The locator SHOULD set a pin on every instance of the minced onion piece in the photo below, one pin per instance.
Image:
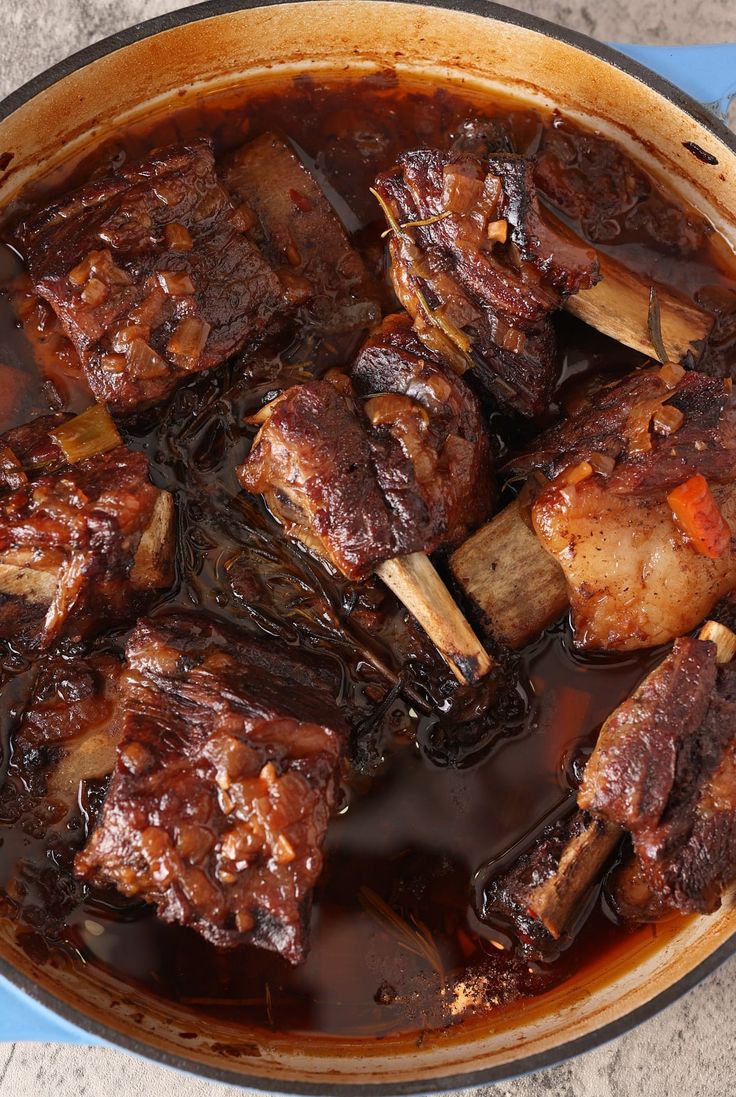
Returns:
(389, 406)
(189, 337)
(103, 265)
(672, 374)
(498, 231)
(78, 275)
(178, 237)
(113, 363)
(511, 339)
(602, 463)
(143, 361)
(639, 422)
(123, 337)
(578, 473)
(87, 434)
(667, 419)
(95, 292)
(148, 311)
(460, 191)
(297, 289)
(175, 283)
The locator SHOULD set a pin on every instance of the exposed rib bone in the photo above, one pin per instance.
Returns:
(619, 307)
(153, 564)
(514, 583)
(415, 582)
(545, 891)
(556, 901)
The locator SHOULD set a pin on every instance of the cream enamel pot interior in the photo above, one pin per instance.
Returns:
(488, 47)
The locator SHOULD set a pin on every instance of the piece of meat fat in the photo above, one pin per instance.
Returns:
(152, 275)
(223, 786)
(634, 578)
(607, 545)
(634, 581)
(299, 232)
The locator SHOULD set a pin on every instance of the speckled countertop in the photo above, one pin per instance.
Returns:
(689, 1049)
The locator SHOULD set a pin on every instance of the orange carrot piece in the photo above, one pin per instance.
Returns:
(696, 513)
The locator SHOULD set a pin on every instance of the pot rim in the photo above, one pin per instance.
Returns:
(453, 1082)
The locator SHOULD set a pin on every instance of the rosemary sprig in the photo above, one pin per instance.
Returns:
(419, 223)
(415, 938)
(459, 338)
(426, 220)
(394, 225)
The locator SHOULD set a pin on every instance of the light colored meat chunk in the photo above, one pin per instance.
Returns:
(633, 578)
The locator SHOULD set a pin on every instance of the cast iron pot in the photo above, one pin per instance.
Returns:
(225, 43)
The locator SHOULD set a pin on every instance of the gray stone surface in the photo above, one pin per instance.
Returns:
(688, 1049)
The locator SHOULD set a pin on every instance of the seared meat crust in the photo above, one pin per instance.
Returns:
(392, 460)
(152, 275)
(665, 769)
(475, 265)
(81, 546)
(224, 782)
(617, 422)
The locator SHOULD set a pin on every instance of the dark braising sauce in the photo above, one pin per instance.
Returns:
(447, 785)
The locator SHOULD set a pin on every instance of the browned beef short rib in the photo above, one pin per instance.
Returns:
(479, 270)
(665, 769)
(82, 545)
(153, 275)
(300, 234)
(222, 791)
(388, 460)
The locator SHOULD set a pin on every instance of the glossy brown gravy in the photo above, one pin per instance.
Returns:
(448, 785)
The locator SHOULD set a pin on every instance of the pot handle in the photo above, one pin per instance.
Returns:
(23, 1019)
(707, 73)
